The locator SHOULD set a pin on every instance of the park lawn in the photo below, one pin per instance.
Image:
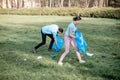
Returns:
(19, 34)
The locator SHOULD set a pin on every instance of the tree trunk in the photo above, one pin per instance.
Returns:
(0, 3)
(59, 3)
(17, 1)
(39, 3)
(86, 3)
(62, 3)
(91, 3)
(69, 3)
(11, 3)
(6, 3)
(56, 3)
(50, 3)
(33, 3)
(22, 3)
(46, 3)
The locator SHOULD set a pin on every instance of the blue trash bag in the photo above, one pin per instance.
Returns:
(80, 42)
(60, 43)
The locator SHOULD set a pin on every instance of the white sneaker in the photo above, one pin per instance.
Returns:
(60, 63)
(81, 61)
(89, 54)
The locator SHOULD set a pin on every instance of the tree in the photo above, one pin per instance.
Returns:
(50, 3)
(22, 3)
(62, 3)
(46, 3)
(58, 3)
(0, 3)
(69, 3)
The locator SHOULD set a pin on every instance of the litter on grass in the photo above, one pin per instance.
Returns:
(52, 56)
(39, 57)
(25, 59)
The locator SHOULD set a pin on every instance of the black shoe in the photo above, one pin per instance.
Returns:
(33, 51)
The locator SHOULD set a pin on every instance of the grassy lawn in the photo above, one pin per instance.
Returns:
(19, 34)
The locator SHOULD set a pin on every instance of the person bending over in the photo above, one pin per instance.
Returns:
(51, 31)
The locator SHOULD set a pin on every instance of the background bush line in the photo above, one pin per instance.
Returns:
(85, 12)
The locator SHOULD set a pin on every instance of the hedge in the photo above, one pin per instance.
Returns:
(84, 12)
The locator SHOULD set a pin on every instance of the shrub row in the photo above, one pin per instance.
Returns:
(85, 12)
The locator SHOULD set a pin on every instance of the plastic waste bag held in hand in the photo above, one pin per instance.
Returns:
(80, 42)
(60, 43)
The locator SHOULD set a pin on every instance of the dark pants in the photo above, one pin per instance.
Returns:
(44, 40)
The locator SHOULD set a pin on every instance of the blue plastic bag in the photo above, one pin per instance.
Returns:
(80, 42)
(60, 43)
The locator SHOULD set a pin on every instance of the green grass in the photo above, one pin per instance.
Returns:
(19, 34)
